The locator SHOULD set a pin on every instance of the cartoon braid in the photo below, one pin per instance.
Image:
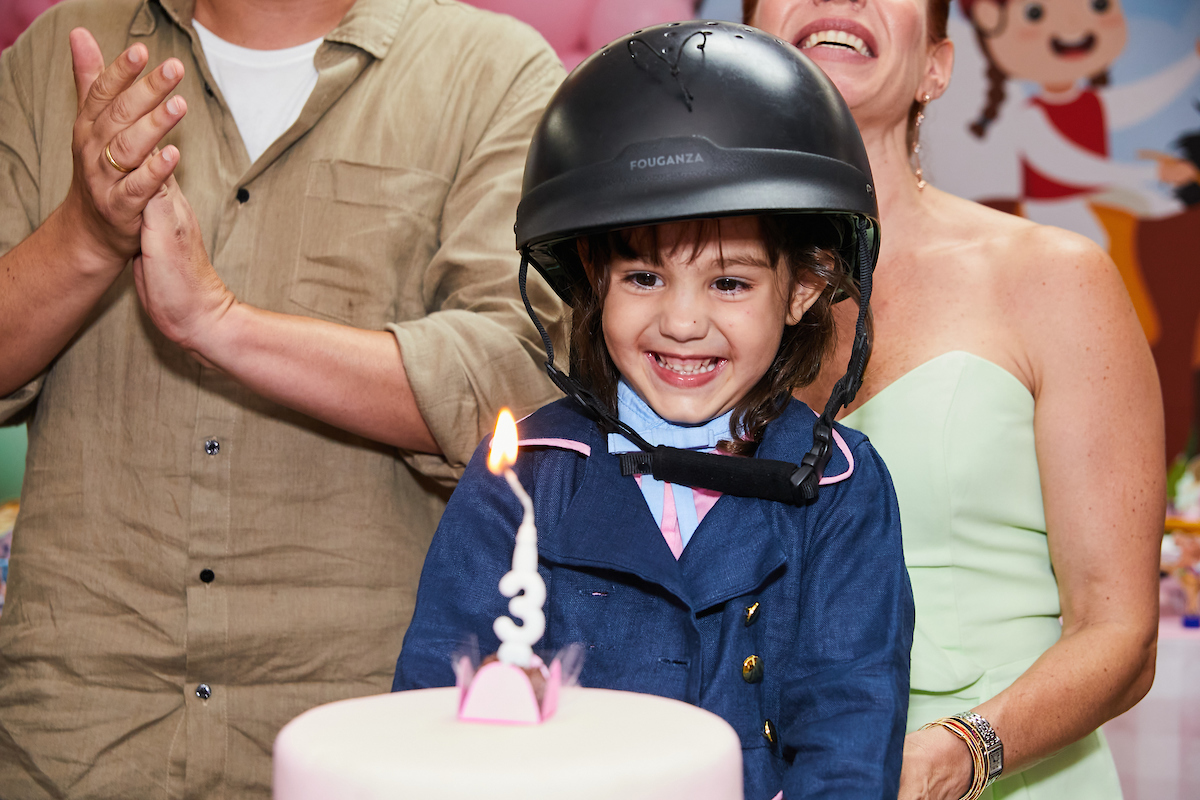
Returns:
(996, 90)
(1099, 80)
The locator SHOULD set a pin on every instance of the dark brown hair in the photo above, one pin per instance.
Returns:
(803, 244)
(935, 26)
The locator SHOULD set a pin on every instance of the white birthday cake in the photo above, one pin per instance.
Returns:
(600, 744)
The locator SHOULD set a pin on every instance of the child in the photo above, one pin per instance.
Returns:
(694, 320)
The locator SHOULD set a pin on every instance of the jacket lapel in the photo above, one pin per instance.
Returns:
(607, 525)
(733, 552)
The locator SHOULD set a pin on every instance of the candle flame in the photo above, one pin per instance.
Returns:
(503, 452)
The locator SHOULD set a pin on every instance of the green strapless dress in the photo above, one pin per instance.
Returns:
(956, 434)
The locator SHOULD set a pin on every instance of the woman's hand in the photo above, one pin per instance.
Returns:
(937, 766)
(178, 287)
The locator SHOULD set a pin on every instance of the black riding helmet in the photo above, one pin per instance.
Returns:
(693, 120)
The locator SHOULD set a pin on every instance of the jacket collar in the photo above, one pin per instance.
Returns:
(609, 526)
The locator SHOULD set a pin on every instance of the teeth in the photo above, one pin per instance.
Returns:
(691, 368)
(841, 38)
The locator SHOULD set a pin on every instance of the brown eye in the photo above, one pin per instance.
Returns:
(643, 278)
(1100, 6)
(728, 284)
(1035, 11)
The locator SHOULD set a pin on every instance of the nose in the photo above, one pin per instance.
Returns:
(683, 316)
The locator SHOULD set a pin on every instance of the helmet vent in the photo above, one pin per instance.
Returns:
(665, 57)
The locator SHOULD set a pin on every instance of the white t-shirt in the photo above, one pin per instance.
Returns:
(265, 89)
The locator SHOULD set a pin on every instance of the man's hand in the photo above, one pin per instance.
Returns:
(175, 281)
(121, 121)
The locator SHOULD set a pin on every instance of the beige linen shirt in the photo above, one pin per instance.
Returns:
(194, 565)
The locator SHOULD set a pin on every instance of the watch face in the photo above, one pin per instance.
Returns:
(995, 760)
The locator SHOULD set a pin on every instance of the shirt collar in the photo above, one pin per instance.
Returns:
(370, 25)
(634, 412)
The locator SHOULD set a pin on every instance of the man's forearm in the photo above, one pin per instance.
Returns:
(347, 377)
(50, 281)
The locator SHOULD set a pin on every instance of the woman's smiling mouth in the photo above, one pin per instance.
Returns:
(840, 39)
(837, 34)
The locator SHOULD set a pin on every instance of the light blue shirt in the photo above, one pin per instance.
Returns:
(634, 412)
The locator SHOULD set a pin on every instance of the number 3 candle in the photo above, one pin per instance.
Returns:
(522, 583)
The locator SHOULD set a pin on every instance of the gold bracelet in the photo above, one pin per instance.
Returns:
(978, 763)
(989, 741)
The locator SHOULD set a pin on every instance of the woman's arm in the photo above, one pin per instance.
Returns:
(1099, 432)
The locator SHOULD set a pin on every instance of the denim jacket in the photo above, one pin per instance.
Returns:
(819, 593)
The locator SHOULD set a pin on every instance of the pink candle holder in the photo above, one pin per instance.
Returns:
(499, 692)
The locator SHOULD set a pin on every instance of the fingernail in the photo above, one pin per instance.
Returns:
(169, 71)
(135, 55)
(169, 154)
(173, 106)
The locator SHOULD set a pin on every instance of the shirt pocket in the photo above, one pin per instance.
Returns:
(367, 234)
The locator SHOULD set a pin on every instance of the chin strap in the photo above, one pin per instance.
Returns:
(761, 478)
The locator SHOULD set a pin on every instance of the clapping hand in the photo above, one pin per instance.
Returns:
(178, 287)
(117, 166)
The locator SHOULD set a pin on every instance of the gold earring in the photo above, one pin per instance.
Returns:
(916, 150)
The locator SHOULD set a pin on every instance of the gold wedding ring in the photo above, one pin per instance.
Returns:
(113, 161)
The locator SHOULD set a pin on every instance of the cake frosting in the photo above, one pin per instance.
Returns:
(601, 744)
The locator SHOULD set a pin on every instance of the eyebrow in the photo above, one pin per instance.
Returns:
(746, 261)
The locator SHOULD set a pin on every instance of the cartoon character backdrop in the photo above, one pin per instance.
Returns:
(1086, 114)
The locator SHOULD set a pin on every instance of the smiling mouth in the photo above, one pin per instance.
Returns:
(839, 39)
(687, 366)
(1079, 47)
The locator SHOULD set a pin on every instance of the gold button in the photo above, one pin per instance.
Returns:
(768, 731)
(751, 615)
(752, 669)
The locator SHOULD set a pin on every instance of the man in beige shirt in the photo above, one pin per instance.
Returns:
(225, 516)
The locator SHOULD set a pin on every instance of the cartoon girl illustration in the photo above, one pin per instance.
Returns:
(1068, 179)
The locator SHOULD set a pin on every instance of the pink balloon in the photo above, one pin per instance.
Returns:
(577, 28)
(16, 15)
(562, 22)
(615, 18)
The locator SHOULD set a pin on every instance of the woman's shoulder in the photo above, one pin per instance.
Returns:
(1037, 290)
(998, 246)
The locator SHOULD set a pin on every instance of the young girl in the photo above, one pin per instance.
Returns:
(694, 320)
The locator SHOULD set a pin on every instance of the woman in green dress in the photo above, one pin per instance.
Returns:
(1013, 396)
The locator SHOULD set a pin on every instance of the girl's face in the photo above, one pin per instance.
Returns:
(877, 52)
(1052, 42)
(693, 336)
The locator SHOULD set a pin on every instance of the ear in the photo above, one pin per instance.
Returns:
(939, 65)
(803, 296)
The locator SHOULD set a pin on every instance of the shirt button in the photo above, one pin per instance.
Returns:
(751, 615)
(207, 575)
(768, 731)
(243, 195)
(212, 447)
(752, 669)
(204, 691)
